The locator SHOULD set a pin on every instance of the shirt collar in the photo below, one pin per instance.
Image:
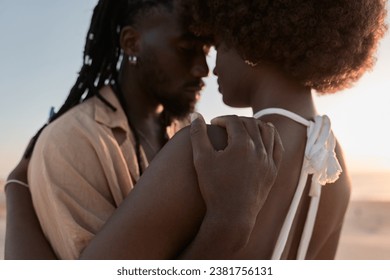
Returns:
(105, 115)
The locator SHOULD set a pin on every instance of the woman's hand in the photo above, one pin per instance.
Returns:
(235, 182)
(20, 171)
(24, 239)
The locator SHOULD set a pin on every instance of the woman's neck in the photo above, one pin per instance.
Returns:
(274, 89)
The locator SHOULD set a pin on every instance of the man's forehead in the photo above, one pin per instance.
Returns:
(188, 35)
(172, 25)
(180, 32)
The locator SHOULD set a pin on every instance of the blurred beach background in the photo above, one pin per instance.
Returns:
(41, 52)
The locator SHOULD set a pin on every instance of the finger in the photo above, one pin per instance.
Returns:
(234, 127)
(199, 137)
(253, 131)
(221, 120)
(268, 135)
(194, 116)
(278, 150)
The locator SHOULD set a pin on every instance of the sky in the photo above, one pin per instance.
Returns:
(41, 47)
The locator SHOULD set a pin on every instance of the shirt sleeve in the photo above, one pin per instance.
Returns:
(72, 178)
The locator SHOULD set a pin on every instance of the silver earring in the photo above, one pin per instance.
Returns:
(133, 60)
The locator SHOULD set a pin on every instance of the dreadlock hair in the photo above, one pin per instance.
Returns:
(102, 55)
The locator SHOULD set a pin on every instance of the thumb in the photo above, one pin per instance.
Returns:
(199, 138)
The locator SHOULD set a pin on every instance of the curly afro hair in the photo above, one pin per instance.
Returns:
(325, 45)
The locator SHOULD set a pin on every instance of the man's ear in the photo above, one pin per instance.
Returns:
(130, 40)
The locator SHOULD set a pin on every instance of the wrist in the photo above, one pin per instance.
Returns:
(15, 182)
(244, 218)
(231, 232)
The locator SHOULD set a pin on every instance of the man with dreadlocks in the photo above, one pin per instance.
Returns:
(143, 69)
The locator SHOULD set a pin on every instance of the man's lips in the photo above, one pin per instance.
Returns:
(195, 89)
(195, 94)
(195, 86)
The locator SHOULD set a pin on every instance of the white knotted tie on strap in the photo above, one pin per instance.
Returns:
(320, 161)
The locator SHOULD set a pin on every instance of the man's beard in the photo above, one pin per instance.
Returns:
(157, 86)
(176, 108)
(175, 104)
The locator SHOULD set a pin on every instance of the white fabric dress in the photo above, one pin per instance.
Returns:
(320, 160)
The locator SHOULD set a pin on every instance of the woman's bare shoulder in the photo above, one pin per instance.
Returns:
(217, 136)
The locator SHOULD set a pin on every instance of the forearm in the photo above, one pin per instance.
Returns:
(24, 237)
(219, 238)
(165, 213)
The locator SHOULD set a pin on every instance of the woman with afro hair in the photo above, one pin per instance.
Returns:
(272, 56)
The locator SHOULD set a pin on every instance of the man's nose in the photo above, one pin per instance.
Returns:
(215, 71)
(200, 68)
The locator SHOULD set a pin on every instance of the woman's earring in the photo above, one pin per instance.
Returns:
(250, 63)
(133, 60)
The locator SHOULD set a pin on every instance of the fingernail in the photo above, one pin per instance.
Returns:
(214, 120)
(194, 116)
(270, 124)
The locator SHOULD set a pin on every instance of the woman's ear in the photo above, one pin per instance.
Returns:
(129, 40)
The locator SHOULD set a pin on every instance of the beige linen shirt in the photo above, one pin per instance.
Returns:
(83, 166)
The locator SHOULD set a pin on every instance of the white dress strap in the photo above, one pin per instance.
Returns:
(283, 112)
(320, 160)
